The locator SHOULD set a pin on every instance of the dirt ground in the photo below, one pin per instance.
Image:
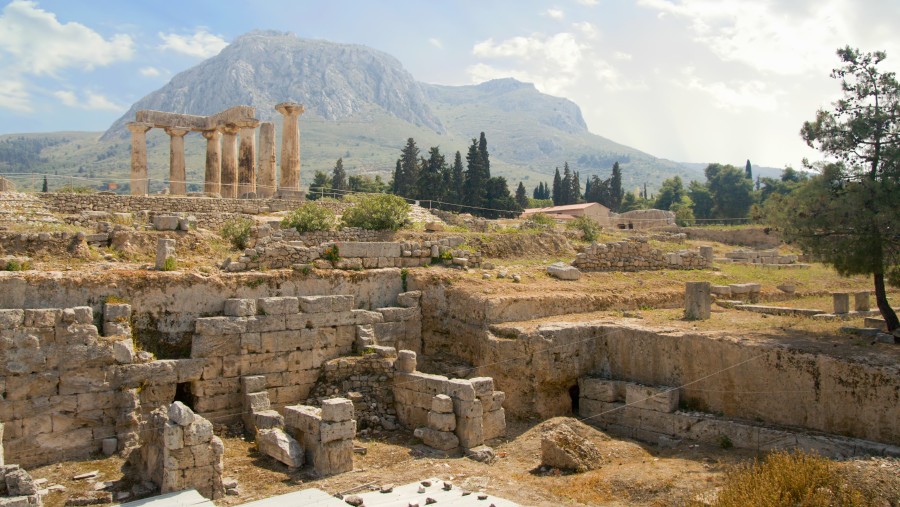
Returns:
(633, 473)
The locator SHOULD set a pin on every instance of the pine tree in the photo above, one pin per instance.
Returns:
(615, 188)
(748, 170)
(521, 196)
(338, 176)
(474, 187)
(557, 189)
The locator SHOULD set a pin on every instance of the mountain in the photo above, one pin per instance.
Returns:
(361, 105)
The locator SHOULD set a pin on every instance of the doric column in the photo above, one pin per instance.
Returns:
(212, 180)
(290, 145)
(266, 179)
(139, 180)
(247, 158)
(177, 178)
(229, 160)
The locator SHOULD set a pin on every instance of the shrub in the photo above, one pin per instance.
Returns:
(310, 217)
(237, 231)
(16, 265)
(331, 253)
(170, 264)
(787, 479)
(542, 219)
(590, 229)
(377, 212)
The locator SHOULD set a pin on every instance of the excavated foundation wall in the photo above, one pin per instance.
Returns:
(757, 381)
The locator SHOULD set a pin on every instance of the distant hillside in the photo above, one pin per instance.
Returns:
(361, 105)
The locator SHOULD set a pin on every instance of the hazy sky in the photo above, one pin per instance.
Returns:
(688, 80)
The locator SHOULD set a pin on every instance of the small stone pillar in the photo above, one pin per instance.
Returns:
(697, 300)
(229, 161)
(165, 250)
(177, 178)
(290, 145)
(861, 301)
(841, 302)
(212, 181)
(247, 159)
(707, 253)
(2, 462)
(266, 177)
(139, 182)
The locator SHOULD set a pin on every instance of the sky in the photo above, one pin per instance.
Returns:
(687, 80)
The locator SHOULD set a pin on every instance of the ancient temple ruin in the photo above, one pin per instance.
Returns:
(232, 169)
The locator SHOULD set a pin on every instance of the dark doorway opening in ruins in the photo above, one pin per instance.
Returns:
(574, 395)
(183, 394)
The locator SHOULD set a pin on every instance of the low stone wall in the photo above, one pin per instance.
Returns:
(61, 244)
(636, 255)
(760, 257)
(756, 237)
(76, 203)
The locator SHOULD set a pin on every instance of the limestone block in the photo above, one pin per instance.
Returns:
(468, 409)
(494, 402)
(220, 325)
(180, 414)
(268, 419)
(165, 249)
(342, 303)
(337, 410)
(390, 333)
(441, 440)
(211, 345)
(253, 384)
(396, 314)
(173, 436)
(841, 302)
(697, 300)
(109, 446)
(42, 317)
(165, 222)
(660, 399)
(115, 312)
(564, 449)
(494, 424)
(277, 305)
(333, 458)
(199, 432)
(861, 301)
(19, 483)
(256, 402)
(720, 290)
(303, 418)
(363, 317)
(442, 404)
(461, 389)
(406, 361)
(484, 387)
(331, 431)
(744, 288)
(369, 249)
(470, 431)
(441, 421)
(239, 307)
(409, 299)
(601, 389)
(116, 329)
(279, 445)
(10, 319)
(563, 271)
(123, 351)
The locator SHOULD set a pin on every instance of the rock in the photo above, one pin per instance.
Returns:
(562, 448)
(482, 454)
(280, 446)
(441, 440)
(387, 488)
(354, 500)
(19, 483)
(434, 227)
(180, 414)
(563, 271)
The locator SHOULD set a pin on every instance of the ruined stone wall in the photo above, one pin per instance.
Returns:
(76, 203)
(636, 255)
(756, 237)
(43, 243)
(366, 381)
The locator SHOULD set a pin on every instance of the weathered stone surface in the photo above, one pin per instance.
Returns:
(199, 432)
(470, 431)
(441, 421)
(123, 351)
(19, 483)
(239, 307)
(562, 448)
(279, 445)
(601, 389)
(660, 399)
(494, 424)
(337, 410)
(332, 431)
(277, 305)
(442, 404)
(697, 300)
(409, 299)
(268, 419)
(109, 446)
(406, 361)
(484, 386)
(334, 457)
(165, 222)
(563, 271)
(441, 440)
(841, 302)
(461, 389)
(253, 384)
(165, 249)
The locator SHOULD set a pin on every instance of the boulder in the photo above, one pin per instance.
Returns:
(562, 448)
(563, 271)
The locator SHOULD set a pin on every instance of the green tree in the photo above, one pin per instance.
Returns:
(702, 199)
(557, 194)
(366, 184)
(731, 191)
(748, 170)
(566, 188)
(44, 187)
(320, 186)
(847, 215)
(521, 196)
(338, 176)
(615, 188)
(406, 174)
(671, 192)
(457, 178)
(431, 177)
(499, 198)
(475, 184)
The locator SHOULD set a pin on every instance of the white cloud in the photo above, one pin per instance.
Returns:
(555, 13)
(13, 96)
(90, 101)
(436, 42)
(763, 35)
(586, 28)
(39, 44)
(201, 44)
(733, 96)
(619, 55)
(149, 71)
(588, 2)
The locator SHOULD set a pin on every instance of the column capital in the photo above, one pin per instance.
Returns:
(230, 129)
(247, 124)
(290, 108)
(176, 131)
(211, 134)
(138, 126)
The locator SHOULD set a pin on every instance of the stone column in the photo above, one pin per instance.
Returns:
(861, 301)
(247, 159)
(290, 145)
(212, 180)
(139, 182)
(697, 300)
(177, 178)
(266, 178)
(841, 302)
(229, 161)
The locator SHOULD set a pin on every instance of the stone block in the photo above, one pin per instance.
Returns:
(342, 303)
(279, 445)
(253, 384)
(461, 389)
(601, 389)
(409, 299)
(441, 440)
(468, 409)
(660, 399)
(165, 249)
(180, 414)
(841, 302)
(494, 424)
(220, 325)
(406, 361)
(331, 431)
(442, 404)
(470, 431)
(396, 314)
(720, 290)
(861, 301)
(337, 410)
(333, 458)
(239, 307)
(304, 418)
(116, 329)
(268, 419)
(173, 436)
(199, 432)
(744, 288)
(10, 319)
(484, 386)
(441, 421)
(277, 305)
(256, 402)
(563, 271)
(165, 222)
(123, 351)
(42, 317)
(215, 345)
(494, 402)
(364, 317)
(116, 312)
(109, 446)
(697, 300)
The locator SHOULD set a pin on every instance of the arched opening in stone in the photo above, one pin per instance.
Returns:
(183, 394)
(574, 395)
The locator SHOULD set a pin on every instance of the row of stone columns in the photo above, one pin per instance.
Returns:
(231, 167)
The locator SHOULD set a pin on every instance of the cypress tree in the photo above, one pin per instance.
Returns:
(748, 170)
(485, 159)
(521, 196)
(431, 177)
(566, 186)
(456, 190)
(409, 170)
(45, 188)
(557, 189)
(576, 188)
(338, 176)
(474, 188)
(615, 188)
